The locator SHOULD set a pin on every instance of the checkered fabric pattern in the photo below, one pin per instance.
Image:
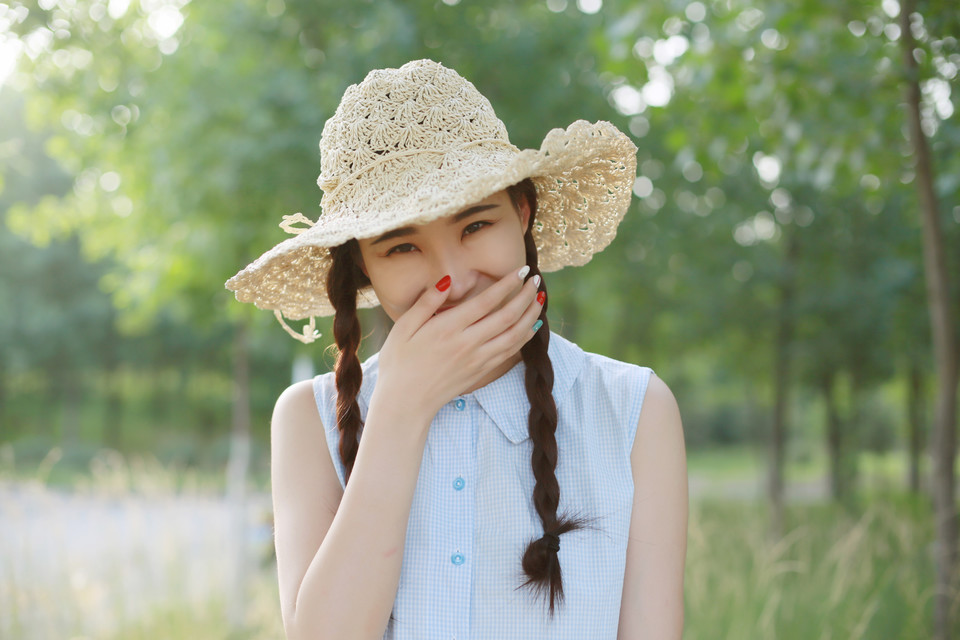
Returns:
(473, 516)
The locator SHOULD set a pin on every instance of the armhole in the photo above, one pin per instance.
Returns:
(325, 396)
(638, 392)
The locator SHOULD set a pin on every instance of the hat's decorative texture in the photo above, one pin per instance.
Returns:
(410, 145)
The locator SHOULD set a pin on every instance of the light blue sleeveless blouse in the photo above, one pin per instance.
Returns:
(473, 515)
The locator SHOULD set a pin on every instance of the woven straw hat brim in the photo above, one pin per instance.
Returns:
(584, 177)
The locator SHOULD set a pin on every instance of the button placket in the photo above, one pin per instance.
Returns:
(459, 483)
(456, 468)
(466, 470)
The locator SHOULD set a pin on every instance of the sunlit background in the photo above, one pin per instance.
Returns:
(771, 269)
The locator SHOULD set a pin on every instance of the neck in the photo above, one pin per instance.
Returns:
(508, 364)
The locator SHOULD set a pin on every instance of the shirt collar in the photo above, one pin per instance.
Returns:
(499, 398)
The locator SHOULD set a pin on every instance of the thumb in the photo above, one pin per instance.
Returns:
(425, 306)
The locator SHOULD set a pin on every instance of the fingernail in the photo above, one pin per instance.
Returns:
(444, 283)
(542, 297)
(536, 281)
(537, 325)
(524, 270)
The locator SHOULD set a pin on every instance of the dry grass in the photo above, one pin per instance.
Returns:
(835, 575)
(139, 551)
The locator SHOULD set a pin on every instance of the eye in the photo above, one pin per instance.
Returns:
(473, 227)
(406, 247)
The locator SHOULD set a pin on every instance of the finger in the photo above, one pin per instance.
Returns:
(509, 314)
(509, 341)
(489, 299)
(425, 307)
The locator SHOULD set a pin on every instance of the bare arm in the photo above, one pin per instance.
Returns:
(652, 603)
(339, 553)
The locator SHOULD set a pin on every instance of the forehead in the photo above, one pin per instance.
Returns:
(494, 201)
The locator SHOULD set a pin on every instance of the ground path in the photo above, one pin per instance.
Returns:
(76, 565)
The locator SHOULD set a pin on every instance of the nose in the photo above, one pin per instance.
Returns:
(453, 262)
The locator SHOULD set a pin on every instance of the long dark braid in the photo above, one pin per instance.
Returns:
(344, 279)
(541, 562)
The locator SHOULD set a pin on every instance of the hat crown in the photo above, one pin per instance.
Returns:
(420, 106)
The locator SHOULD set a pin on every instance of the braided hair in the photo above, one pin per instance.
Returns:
(344, 279)
(540, 561)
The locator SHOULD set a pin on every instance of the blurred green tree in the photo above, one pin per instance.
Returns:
(772, 250)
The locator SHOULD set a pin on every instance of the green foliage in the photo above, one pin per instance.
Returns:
(148, 160)
(758, 124)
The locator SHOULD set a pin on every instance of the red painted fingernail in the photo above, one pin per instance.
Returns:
(542, 297)
(444, 283)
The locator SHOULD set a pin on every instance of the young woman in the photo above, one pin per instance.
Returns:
(480, 477)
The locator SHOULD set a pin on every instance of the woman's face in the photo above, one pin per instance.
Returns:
(475, 247)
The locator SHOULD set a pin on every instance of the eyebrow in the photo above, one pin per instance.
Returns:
(406, 231)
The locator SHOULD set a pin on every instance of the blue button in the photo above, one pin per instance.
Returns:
(459, 483)
(457, 559)
(460, 404)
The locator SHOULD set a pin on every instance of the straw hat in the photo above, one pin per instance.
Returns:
(410, 145)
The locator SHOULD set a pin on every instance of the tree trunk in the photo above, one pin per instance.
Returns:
(237, 470)
(834, 436)
(7, 429)
(854, 432)
(944, 343)
(782, 358)
(70, 394)
(160, 401)
(113, 411)
(302, 368)
(915, 421)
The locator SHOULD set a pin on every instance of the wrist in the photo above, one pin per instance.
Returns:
(401, 409)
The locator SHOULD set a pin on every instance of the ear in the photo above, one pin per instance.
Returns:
(524, 211)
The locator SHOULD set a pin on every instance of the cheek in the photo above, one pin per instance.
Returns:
(505, 263)
(394, 297)
(393, 290)
(505, 252)
(396, 294)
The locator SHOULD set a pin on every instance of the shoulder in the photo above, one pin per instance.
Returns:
(659, 404)
(599, 392)
(598, 379)
(576, 362)
(297, 421)
(296, 404)
(659, 429)
(575, 367)
(298, 446)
